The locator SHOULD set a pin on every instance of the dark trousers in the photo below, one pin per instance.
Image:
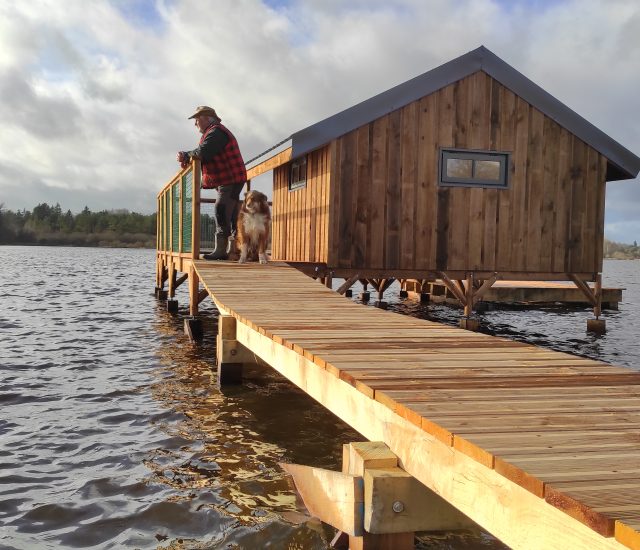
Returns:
(227, 208)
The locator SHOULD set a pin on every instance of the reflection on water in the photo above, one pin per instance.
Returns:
(113, 436)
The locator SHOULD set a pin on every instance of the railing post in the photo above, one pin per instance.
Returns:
(195, 213)
(180, 185)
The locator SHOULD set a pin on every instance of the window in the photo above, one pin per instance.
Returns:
(298, 175)
(473, 168)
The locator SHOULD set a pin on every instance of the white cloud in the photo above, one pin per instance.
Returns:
(94, 102)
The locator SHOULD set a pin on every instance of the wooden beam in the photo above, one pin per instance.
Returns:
(486, 285)
(455, 290)
(333, 497)
(586, 289)
(202, 295)
(272, 162)
(347, 284)
(181, 279)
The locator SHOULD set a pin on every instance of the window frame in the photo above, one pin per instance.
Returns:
(503, 157)
(300, 183)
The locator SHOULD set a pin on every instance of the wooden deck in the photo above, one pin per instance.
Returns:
(540, 448)
(522, 292)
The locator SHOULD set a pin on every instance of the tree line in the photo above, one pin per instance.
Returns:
(50, 225)
(620, 251)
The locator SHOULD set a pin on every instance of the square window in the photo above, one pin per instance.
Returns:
(298, 174)
(460, 167)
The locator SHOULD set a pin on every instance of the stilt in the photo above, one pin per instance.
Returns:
(172, 306)
(425, 297)
(193, 328)
(597, 325)
(364, 295)
(162, 294)
(348, 293)
(172, 280)
(194, 292)
(404, 293)
(230, 354)
(594, 297)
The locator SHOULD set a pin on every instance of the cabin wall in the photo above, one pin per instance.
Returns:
(388, 211)
(300, 217)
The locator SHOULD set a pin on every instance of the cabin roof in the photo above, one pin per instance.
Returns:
(623, 164)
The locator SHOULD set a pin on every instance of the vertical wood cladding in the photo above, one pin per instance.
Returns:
(391, 214)
(300, 217)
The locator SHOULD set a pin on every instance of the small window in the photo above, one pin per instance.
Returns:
(298, 176)
(473, 168)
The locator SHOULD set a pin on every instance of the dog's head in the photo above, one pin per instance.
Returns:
(255, 202)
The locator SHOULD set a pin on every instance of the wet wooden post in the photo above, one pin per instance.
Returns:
(230, 354)
(229, 365)
(597, 325)
(467, 322)
(364, 295)
(404, 293)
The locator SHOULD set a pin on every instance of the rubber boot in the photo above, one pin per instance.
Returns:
(232, 250)
(220, 251)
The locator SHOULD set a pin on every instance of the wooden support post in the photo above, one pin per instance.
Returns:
(194, 288)
(193, 328)
(597, 325)
(328, 280)
(172, 306)
(230, 354)
(364, 295)
(172, 280)
(356, 459)
(597, 308)
(594, 297)
(468, 306)
(162, 294)
(467, 322)
(404, 293)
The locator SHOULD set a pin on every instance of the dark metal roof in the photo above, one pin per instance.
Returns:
(623, 164)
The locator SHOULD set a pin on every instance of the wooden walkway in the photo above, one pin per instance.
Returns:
(540, 448)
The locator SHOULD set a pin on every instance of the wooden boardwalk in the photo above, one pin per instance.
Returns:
(540, 448)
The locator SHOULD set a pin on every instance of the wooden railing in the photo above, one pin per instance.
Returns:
(180, 222)
(178, 208)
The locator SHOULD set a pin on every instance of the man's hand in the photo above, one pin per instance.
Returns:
(183, 159)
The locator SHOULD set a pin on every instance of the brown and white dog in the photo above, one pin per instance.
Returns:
(253, 226)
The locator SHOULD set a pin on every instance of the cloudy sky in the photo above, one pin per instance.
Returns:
(94, 94)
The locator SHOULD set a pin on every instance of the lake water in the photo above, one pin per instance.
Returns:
(113, 436)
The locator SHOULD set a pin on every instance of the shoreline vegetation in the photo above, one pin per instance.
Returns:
(49, 225)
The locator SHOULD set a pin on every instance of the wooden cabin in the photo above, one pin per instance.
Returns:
(468, 169)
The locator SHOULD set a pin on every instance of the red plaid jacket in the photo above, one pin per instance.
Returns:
(225, 168)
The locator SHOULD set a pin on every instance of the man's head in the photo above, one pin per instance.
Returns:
(204, 117)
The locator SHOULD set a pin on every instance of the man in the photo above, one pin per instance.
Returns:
(223, 169)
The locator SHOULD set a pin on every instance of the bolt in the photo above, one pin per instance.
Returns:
(234, 351)
(398, 507)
